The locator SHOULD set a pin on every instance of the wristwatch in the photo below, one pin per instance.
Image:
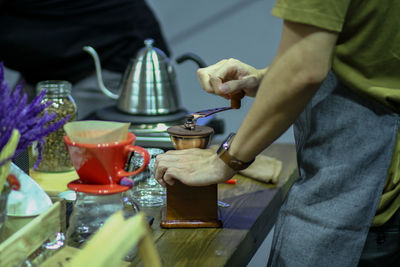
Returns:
(231, 161)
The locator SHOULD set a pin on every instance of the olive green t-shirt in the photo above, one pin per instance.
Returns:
(366, 59)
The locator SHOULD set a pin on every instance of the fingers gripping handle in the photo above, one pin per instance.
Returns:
(146, 159)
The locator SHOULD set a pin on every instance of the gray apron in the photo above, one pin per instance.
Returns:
(344, 147)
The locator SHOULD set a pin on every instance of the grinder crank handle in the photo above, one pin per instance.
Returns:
(192, 118)
(235, 99)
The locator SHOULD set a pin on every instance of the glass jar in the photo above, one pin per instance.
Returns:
(90, 211)
(55, 157)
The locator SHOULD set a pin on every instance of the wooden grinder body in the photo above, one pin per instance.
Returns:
(191, 206)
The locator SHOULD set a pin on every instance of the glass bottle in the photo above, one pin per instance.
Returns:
(90, 211)
(55, 157)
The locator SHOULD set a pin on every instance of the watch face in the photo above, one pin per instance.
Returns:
(225, 146)
(231, 161)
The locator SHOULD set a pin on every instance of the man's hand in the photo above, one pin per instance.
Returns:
(194, 167)
(229, 76)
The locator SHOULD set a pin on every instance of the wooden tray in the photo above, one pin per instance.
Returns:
(27, 241)
(22, 244)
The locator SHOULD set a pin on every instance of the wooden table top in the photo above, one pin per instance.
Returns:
(246, 223)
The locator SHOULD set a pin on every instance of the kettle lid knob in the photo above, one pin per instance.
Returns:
(149, 42)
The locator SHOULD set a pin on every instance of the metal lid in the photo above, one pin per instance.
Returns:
(198, 131)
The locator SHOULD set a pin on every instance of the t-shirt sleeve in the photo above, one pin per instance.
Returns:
(326, 14)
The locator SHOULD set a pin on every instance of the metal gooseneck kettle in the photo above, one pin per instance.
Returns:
(148, 86)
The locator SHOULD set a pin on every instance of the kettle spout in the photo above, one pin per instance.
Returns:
(96, 59)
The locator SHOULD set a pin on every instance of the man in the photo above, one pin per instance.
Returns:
(336, 75)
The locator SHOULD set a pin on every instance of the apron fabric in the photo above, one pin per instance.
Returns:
(344, 147)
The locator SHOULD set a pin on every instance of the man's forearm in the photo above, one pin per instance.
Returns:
(291, 81)
(277, 105)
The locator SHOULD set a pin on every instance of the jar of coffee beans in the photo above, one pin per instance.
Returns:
(55, 157)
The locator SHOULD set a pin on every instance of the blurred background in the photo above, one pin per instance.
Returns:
(215, 30)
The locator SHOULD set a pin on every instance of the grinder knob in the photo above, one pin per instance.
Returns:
(235, 99)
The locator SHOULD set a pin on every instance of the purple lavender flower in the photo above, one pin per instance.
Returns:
(31, 120)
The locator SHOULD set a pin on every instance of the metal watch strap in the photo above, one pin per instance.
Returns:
(231, 161)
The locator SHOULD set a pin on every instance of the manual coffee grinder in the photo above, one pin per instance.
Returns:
(193, 206)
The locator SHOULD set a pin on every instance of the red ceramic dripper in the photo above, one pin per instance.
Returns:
(101, 166)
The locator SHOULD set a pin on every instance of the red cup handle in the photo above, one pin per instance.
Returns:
(146, 158)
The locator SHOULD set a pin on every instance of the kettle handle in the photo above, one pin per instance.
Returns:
(191, 56)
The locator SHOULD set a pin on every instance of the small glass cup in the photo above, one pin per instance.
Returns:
(146, 191)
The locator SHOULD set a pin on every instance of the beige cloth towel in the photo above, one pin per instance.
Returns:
(264, 169)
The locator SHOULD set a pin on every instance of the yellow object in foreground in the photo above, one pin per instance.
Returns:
(53, 183)
(98, 251)
(7, 152)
